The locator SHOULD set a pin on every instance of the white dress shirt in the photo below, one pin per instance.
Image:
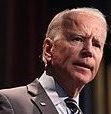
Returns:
(56, 93)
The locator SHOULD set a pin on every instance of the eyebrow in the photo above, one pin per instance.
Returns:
(97, 41)
(72, 34)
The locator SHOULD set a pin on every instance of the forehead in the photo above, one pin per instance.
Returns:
(84, 23)
(75, 19)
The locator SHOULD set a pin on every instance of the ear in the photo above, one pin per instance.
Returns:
(47, 49)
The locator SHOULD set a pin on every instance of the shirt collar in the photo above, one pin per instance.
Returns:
(53, 89)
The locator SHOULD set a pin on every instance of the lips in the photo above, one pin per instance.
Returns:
(84, 65)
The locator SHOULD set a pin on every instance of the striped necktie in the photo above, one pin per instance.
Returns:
(72, 105)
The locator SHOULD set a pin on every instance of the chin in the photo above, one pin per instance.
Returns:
(83, 78)
(87, 80)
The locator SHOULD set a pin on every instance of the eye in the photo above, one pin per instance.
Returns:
(77, 39)
(96, 44)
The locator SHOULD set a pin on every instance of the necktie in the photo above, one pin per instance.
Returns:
(72, 105)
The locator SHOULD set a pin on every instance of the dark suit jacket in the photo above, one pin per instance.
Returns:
(30, 99)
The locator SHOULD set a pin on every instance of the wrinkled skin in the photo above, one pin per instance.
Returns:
(76, 52)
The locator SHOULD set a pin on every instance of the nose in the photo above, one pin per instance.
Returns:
(87, 50)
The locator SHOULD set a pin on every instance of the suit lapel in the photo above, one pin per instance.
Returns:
(41, 99)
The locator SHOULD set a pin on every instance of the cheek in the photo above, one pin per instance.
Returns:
(61, 54)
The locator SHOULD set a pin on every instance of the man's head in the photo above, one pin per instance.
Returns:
(74, 45)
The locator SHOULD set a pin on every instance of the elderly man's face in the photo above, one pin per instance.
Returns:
(77, 51)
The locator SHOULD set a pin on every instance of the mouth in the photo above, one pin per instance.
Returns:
(84, 65)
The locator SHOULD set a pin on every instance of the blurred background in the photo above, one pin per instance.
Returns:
(23, 24)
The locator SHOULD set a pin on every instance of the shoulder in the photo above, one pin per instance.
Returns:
(14, 91)
(15, 100)
(8, 97)
(20, 92)
(13, 94)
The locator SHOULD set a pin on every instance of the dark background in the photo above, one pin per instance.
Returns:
(23, 24)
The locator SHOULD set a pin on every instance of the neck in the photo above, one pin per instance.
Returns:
(72, 87)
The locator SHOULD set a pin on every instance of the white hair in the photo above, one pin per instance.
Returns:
(58, 18)
(92, 11)
(55, 25)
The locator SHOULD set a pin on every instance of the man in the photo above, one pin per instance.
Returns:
(72, 52)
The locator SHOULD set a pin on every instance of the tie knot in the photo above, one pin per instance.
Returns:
(72, 105)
